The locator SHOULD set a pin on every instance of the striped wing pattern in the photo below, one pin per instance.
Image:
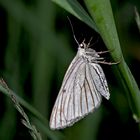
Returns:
(80, 93)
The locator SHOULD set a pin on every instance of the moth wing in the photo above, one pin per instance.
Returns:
(99, 78)
(77, 97)
(58, 116)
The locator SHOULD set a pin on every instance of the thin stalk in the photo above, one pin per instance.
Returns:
(101, 12)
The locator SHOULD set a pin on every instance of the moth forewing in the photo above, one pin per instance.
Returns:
(81, 90)
(62, 115)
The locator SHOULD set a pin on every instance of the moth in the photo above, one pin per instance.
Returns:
(82, 89)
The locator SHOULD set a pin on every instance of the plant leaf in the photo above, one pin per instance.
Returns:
(102, 14)
(77, 10)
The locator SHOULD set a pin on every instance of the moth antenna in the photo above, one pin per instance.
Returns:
(94, 42)
(89, 42)
(73, 31)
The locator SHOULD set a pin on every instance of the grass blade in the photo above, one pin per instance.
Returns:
(43, 122)
(102, 14)
(77, 10)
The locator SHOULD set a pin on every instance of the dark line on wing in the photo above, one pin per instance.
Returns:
(86, 97)
(71, 70)
(66, 96)
(89, 87)
(73, 100)
(90, 91)
(72, 83)
(56, 112)
(61, 109)
(73, 78)
(73, 91)
(104, 79)
(96, 90)
(99, 77)
(81, 101)
(68, 105)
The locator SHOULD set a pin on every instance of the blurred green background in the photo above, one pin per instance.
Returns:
(36, 47)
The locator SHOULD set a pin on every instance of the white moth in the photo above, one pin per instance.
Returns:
(81, 90)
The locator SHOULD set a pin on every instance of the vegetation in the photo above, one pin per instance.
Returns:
(36, 47)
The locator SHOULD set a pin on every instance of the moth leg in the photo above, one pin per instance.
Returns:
(65, 117)
(102, 52)
(107, 63)
(100, 58)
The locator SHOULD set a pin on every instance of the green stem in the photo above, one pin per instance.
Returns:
(102, 14)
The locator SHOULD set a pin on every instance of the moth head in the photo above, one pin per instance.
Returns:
(84, 49)
(83, 45)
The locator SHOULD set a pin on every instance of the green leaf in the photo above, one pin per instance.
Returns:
(77, 10)
(137, 17)
(102, 14)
